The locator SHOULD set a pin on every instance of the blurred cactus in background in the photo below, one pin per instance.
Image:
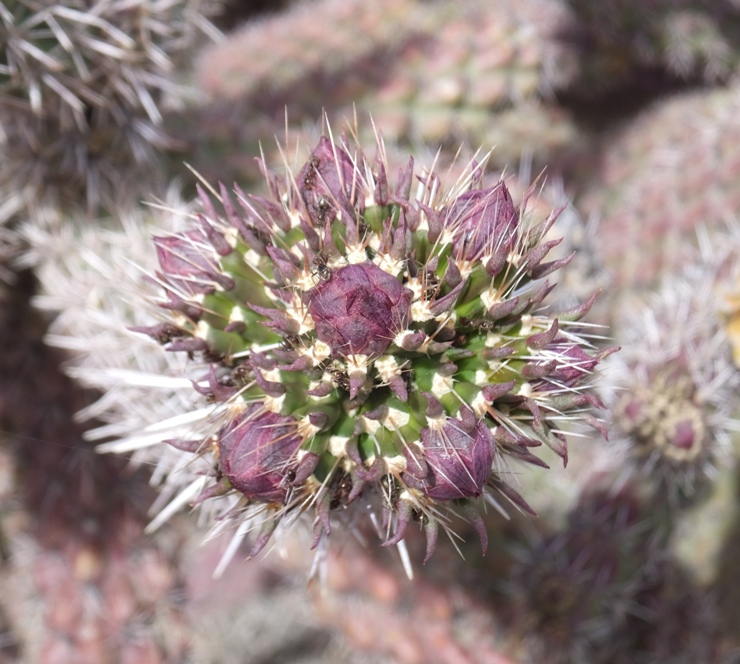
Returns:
(649, 199)
(675, 382)
(81, 583)
(366, 345)
(633, 42)
(603, 589)
(82, 88)
(430, 73)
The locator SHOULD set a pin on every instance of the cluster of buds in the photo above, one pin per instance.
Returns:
(369, 345)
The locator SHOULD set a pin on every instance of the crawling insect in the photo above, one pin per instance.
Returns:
(342, 489)
(321, 269)
(309, 179)
(408, 380)
(291, 341)
(325, 208)
(340, 378)
(241, 374)
(431, 285)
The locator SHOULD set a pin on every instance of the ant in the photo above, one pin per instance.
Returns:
(340, 378)
(342, 489)
(408, 379)
(431, 284)
(290, 341)
(310, 178)
(324, 208)
(321, 268)
(241, 374)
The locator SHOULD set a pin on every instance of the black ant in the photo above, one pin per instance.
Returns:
(321, 269)
(340, 378)
(241, 374)
(408, 380)
(310, 178)
(324, 208)
(431, 285)
(342, 489)
(482, 324)
(290, 341)
(213, 356)
(460, 340)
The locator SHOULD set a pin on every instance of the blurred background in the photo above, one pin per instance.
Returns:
(628, 110)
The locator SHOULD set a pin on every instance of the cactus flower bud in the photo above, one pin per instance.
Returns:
(457, 462)
(484, 223)
(359, 310)
(327, 183)
(256, 451)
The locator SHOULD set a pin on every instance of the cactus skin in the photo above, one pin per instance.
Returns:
(603, 589)
(81, 92)
(570, 587)
(368, 324)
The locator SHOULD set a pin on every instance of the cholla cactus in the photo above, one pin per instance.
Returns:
(82, 87)
(367, 345)
(603, 589)
(650, 203)
(572, 590)
(430, 73)
(676, 383)
(625, 42)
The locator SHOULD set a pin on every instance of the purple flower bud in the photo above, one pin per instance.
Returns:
(257, 450)
(359, 310)
(484, 222)
(457, 463)
(327, 183)
(186, 262)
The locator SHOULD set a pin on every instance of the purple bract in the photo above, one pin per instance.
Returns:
(184, 260)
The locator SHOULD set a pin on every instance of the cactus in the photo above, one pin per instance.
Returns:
(570, 590)
(649, 200)
(673, 404)
(396, 356)
(82, 88)
(603, 589)
(80, 584)
(629, 43)
(490, 60)
(232, 275)
(494, 68)
(298, 51)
